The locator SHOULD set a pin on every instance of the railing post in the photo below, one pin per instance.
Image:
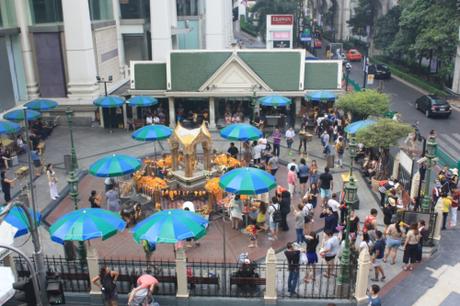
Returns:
(181, 274)
(362, 277)
(93, 269)
(270, 277)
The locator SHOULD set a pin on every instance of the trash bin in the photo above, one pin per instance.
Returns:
(330, 161)
(67, 163)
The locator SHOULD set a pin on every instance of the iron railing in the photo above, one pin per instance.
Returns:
(204, 278)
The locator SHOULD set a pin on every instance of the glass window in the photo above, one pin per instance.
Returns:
(187, 7)
(45, 11)
(7, 14)
(100, 9)
(135, 9)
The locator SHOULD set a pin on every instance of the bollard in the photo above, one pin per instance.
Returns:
(270, 277)
(362, 278)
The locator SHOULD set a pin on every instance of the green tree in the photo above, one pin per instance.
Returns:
(386, 28)
(384, 134)
(362, 104)
(364, 16)
(262, 8)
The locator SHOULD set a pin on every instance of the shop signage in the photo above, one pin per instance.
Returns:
(281, 35)
(281, 44)
(282, 19)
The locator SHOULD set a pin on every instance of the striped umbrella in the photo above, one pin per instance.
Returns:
(18, 115)
(142, 101)
(7, 127)
(240, 132)
(17, 218)
(248, 181)
(109, 101)
(274, 101)
(114, 165)
(321, 96)
(41, 104)
(152, 132)
(170, 226)
(354, 127)
(85, 224)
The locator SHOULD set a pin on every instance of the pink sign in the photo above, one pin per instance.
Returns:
(281, 35)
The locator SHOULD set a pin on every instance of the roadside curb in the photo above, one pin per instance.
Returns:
(407, 83)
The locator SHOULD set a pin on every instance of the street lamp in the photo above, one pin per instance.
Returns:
(351, 195)
(102, 80)
(430, 155)
(73, 177)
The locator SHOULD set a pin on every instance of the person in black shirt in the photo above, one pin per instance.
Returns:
(93, 200)
(312, 243)
(233, 151)
(6, 186)
(285, 209)
(330, 220)
(293, 258)
(326, 184)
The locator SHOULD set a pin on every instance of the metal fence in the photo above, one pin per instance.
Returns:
(320, 285)
(204, 278)
(74, 273)
(130, 270)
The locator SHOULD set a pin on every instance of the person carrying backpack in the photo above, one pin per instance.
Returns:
(274, 218)
(106, 281)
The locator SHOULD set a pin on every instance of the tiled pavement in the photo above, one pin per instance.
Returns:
(93, 143)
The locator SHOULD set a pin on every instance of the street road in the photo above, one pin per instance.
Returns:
(402, 100)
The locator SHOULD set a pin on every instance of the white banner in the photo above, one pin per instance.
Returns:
(405, 161)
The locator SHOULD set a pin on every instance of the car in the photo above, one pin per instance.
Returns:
(433, 105)
(354, 55)
(379, 71)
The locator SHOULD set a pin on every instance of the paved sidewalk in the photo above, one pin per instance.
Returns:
(93, 143)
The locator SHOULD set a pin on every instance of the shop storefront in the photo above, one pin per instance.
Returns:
(222, 86)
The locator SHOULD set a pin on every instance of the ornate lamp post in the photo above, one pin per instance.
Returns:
(73, 177)
(430, 155)
(351, 191)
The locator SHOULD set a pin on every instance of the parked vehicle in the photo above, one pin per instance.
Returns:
(379, 71)
(354, 55)
(432, 106)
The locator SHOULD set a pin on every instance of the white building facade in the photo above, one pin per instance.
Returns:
(56, 48)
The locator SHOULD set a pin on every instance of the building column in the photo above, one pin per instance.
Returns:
(215, 21)
(160, 27)
(27, 55)
(120, 45)
(456, 82)
(172, 112)
(125, 117)
(81, 61)
(212, 113)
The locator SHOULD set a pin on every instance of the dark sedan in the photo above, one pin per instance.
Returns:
(433, 106)
(379, 71)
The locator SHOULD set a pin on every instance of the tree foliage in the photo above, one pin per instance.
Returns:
(424, 28)
(362, 104)
(364, 16)
(386, 28)
(383, 134)
(262, 8)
